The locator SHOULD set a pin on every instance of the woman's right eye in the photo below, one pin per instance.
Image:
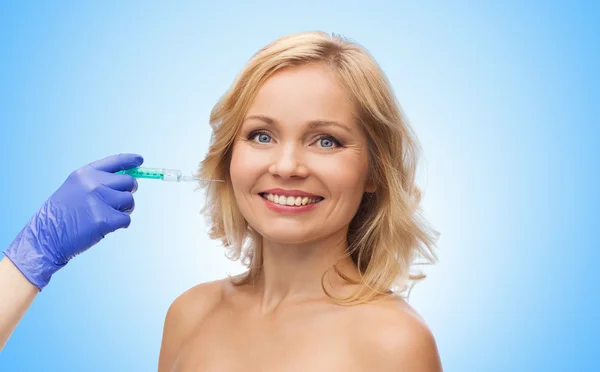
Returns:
(260, 137)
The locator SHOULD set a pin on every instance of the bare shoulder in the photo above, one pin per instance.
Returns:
(198, 300)
(186, 312)
(394, 337)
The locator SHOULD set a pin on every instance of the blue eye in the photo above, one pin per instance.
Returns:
(260, 137)
(328, 142)
(264, 138)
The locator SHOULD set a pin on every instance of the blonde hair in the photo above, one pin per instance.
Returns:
(387, 234)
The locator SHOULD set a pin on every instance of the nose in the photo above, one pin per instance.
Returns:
(287, 163)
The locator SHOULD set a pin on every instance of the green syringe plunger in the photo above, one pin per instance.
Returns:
(170, 175)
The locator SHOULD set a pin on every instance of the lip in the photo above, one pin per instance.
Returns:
(290, 193)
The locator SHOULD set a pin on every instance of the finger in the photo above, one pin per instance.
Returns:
(122, 201)
(119, 182)
(119, 220)
(115, 163)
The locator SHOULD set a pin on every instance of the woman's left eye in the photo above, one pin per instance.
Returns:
(328, 142)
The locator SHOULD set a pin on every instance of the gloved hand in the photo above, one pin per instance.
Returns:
(91, 203)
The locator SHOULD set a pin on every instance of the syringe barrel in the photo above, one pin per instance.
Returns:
(143, 172)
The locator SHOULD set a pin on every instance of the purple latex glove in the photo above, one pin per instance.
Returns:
(91, 203)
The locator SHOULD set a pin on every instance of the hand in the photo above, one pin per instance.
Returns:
(91, 203)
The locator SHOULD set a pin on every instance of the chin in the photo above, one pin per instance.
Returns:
(282, 236)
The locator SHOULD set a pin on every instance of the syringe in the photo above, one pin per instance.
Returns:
(170, 175)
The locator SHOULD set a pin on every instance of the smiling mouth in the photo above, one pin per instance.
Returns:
(291, 201)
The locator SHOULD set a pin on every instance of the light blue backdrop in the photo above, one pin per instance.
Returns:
(504, 99)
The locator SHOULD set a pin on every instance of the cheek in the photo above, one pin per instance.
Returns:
(236, 165)
(244, 167)
(345, 176)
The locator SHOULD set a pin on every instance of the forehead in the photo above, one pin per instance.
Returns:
(301, 94)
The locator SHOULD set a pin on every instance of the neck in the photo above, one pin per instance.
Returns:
(297, 272)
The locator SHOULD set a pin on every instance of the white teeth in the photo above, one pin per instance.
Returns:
(290, 200)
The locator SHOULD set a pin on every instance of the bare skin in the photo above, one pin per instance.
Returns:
(16, 296)
(220, 327)
(285, 322)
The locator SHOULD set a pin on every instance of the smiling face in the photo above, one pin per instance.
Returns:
(299, 162)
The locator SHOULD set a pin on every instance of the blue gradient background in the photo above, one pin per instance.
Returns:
(504, 99)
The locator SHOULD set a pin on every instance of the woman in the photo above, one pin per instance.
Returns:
(320, 201)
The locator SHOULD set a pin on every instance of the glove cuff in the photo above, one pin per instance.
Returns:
(31, 261)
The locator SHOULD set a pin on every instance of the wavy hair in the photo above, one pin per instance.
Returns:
(388, 235)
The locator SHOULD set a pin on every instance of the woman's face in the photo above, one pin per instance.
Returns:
(299, 163)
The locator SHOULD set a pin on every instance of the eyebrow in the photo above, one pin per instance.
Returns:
(313, 124)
